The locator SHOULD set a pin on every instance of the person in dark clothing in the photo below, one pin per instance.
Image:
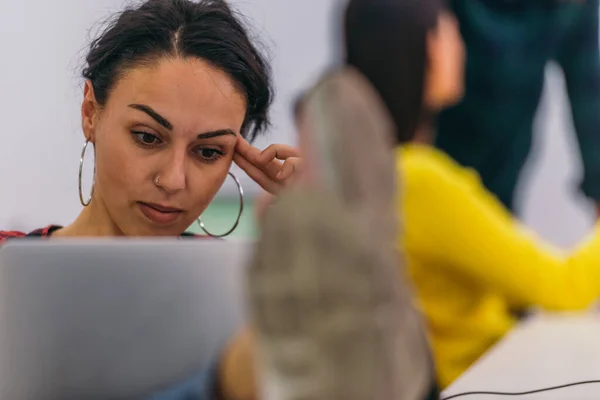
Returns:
(509, 43)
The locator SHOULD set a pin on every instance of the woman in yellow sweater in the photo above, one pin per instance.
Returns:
(470, 260)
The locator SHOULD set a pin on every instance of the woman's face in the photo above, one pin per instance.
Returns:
(446, 53)
(177, 120)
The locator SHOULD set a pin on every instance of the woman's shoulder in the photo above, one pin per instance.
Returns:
(423, 165)
(5, 235)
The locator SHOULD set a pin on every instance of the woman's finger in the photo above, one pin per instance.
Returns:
(257, 174)
(252, 154)
(268, 162)
(272, 169)
(247, 151)
(278, 152)
(292, 166)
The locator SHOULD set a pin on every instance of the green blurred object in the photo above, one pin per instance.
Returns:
(221, 214)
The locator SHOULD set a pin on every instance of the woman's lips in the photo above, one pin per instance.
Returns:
(160, 214)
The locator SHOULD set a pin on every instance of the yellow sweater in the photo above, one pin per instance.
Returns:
(471, 261)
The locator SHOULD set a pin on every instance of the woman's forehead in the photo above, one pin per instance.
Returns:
(181, 87)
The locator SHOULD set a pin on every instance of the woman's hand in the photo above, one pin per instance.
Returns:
(271, 168)
(237, 374)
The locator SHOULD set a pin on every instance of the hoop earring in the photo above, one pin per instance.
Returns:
(239, 216)
(83, 203)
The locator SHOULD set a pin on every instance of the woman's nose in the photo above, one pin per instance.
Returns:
(173, 175)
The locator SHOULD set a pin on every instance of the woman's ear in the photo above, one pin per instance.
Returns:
(432, 76)
(89, 112)
(444, 79)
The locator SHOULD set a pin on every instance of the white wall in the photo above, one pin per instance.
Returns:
(40, 139)
(549, 200)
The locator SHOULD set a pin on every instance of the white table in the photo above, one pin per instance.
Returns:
(542, 352)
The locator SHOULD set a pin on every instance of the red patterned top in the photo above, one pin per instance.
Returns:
(43, 232)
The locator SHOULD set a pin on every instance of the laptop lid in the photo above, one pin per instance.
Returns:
(114, 319)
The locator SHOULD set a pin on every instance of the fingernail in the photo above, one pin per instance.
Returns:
(279, 174)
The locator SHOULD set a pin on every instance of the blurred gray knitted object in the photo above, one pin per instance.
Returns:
(330, 303)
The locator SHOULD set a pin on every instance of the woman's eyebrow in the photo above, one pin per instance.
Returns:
(153, 114)
(218, 132)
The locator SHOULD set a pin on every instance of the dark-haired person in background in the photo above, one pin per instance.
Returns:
(509, 44)
(173, 91)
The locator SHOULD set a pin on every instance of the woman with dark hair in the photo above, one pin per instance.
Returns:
(173, 91)
(471, 262)
(410, 45)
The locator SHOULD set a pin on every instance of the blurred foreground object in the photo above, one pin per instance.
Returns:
(332, 309)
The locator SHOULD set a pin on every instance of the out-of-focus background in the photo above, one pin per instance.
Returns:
(42, 44)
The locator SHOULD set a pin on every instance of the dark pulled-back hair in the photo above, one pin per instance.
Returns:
(386, 40)
(205, 29)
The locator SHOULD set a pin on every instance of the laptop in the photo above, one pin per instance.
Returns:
(115, 318)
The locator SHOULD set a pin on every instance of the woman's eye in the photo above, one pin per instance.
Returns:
(209, 154)
(146, 139)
